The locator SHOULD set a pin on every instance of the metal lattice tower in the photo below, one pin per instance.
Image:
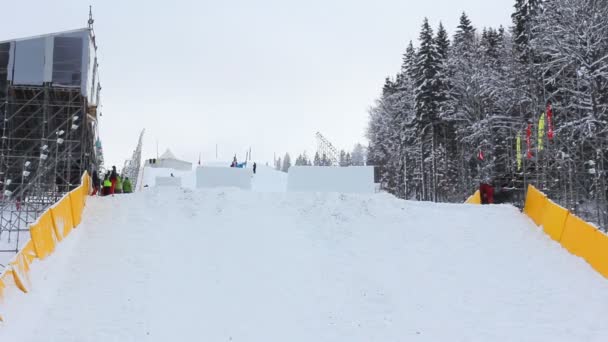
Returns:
(48, 134)
(133, 165)
(325, 148)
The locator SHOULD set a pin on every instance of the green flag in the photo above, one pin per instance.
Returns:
(518, 147)
(541, 131)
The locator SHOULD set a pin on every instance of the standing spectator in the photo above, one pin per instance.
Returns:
(255, 166)
(113, 179)
(107, 185)
(96, 182)
(127, 187)
(118, 188)
(486, 192)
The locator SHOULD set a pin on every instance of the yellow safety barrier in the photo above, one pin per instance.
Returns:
(6, 278)
(577, 236)
(29, 251)
(554, 220)
(62, 217)
(2, 287)
(475, 198)
(586, 241)
(21, 266)
(535, 205)
(52, 227)
(44, 236)
(77, 199)
(85, 185)
(599, 259)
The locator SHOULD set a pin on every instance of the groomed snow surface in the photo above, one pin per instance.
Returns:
(170, 264)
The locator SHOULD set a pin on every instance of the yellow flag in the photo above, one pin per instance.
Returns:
(518, 148)
(541, 131)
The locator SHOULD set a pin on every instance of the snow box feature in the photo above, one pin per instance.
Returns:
(223, 177)
(169, 181)
(352, 179)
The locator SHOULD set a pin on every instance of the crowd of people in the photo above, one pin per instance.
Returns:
(236, 164)
(111, 184)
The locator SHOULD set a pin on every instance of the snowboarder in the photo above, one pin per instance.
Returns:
(255, 166)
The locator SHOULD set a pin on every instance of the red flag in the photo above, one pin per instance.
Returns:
(480, 155)
(528, 140)
(550, 120)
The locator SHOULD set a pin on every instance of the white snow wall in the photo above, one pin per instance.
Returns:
(352, 179)
(223, 177)
(169, 181)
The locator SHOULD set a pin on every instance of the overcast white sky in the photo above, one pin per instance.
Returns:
(266, 74)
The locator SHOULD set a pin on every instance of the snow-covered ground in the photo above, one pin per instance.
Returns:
(171, 264)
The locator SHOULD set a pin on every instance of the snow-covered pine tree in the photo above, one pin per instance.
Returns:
(342, 159)
(348, 159)
(299, 161)
(427, 108)
(317, 160)
(278, 164)
(358, 155)
(380, 134)
(305, 160)
(497, 82)
(445, 161)
(325, 161)
(286, 163)
(570, 39)
(465, 108)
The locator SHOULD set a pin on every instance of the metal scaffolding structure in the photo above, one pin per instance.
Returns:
(327, 149)
(48, 139)
(132, 166)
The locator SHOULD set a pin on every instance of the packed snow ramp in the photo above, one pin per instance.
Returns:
(228, 265)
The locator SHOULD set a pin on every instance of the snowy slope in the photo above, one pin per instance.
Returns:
(229, 265)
